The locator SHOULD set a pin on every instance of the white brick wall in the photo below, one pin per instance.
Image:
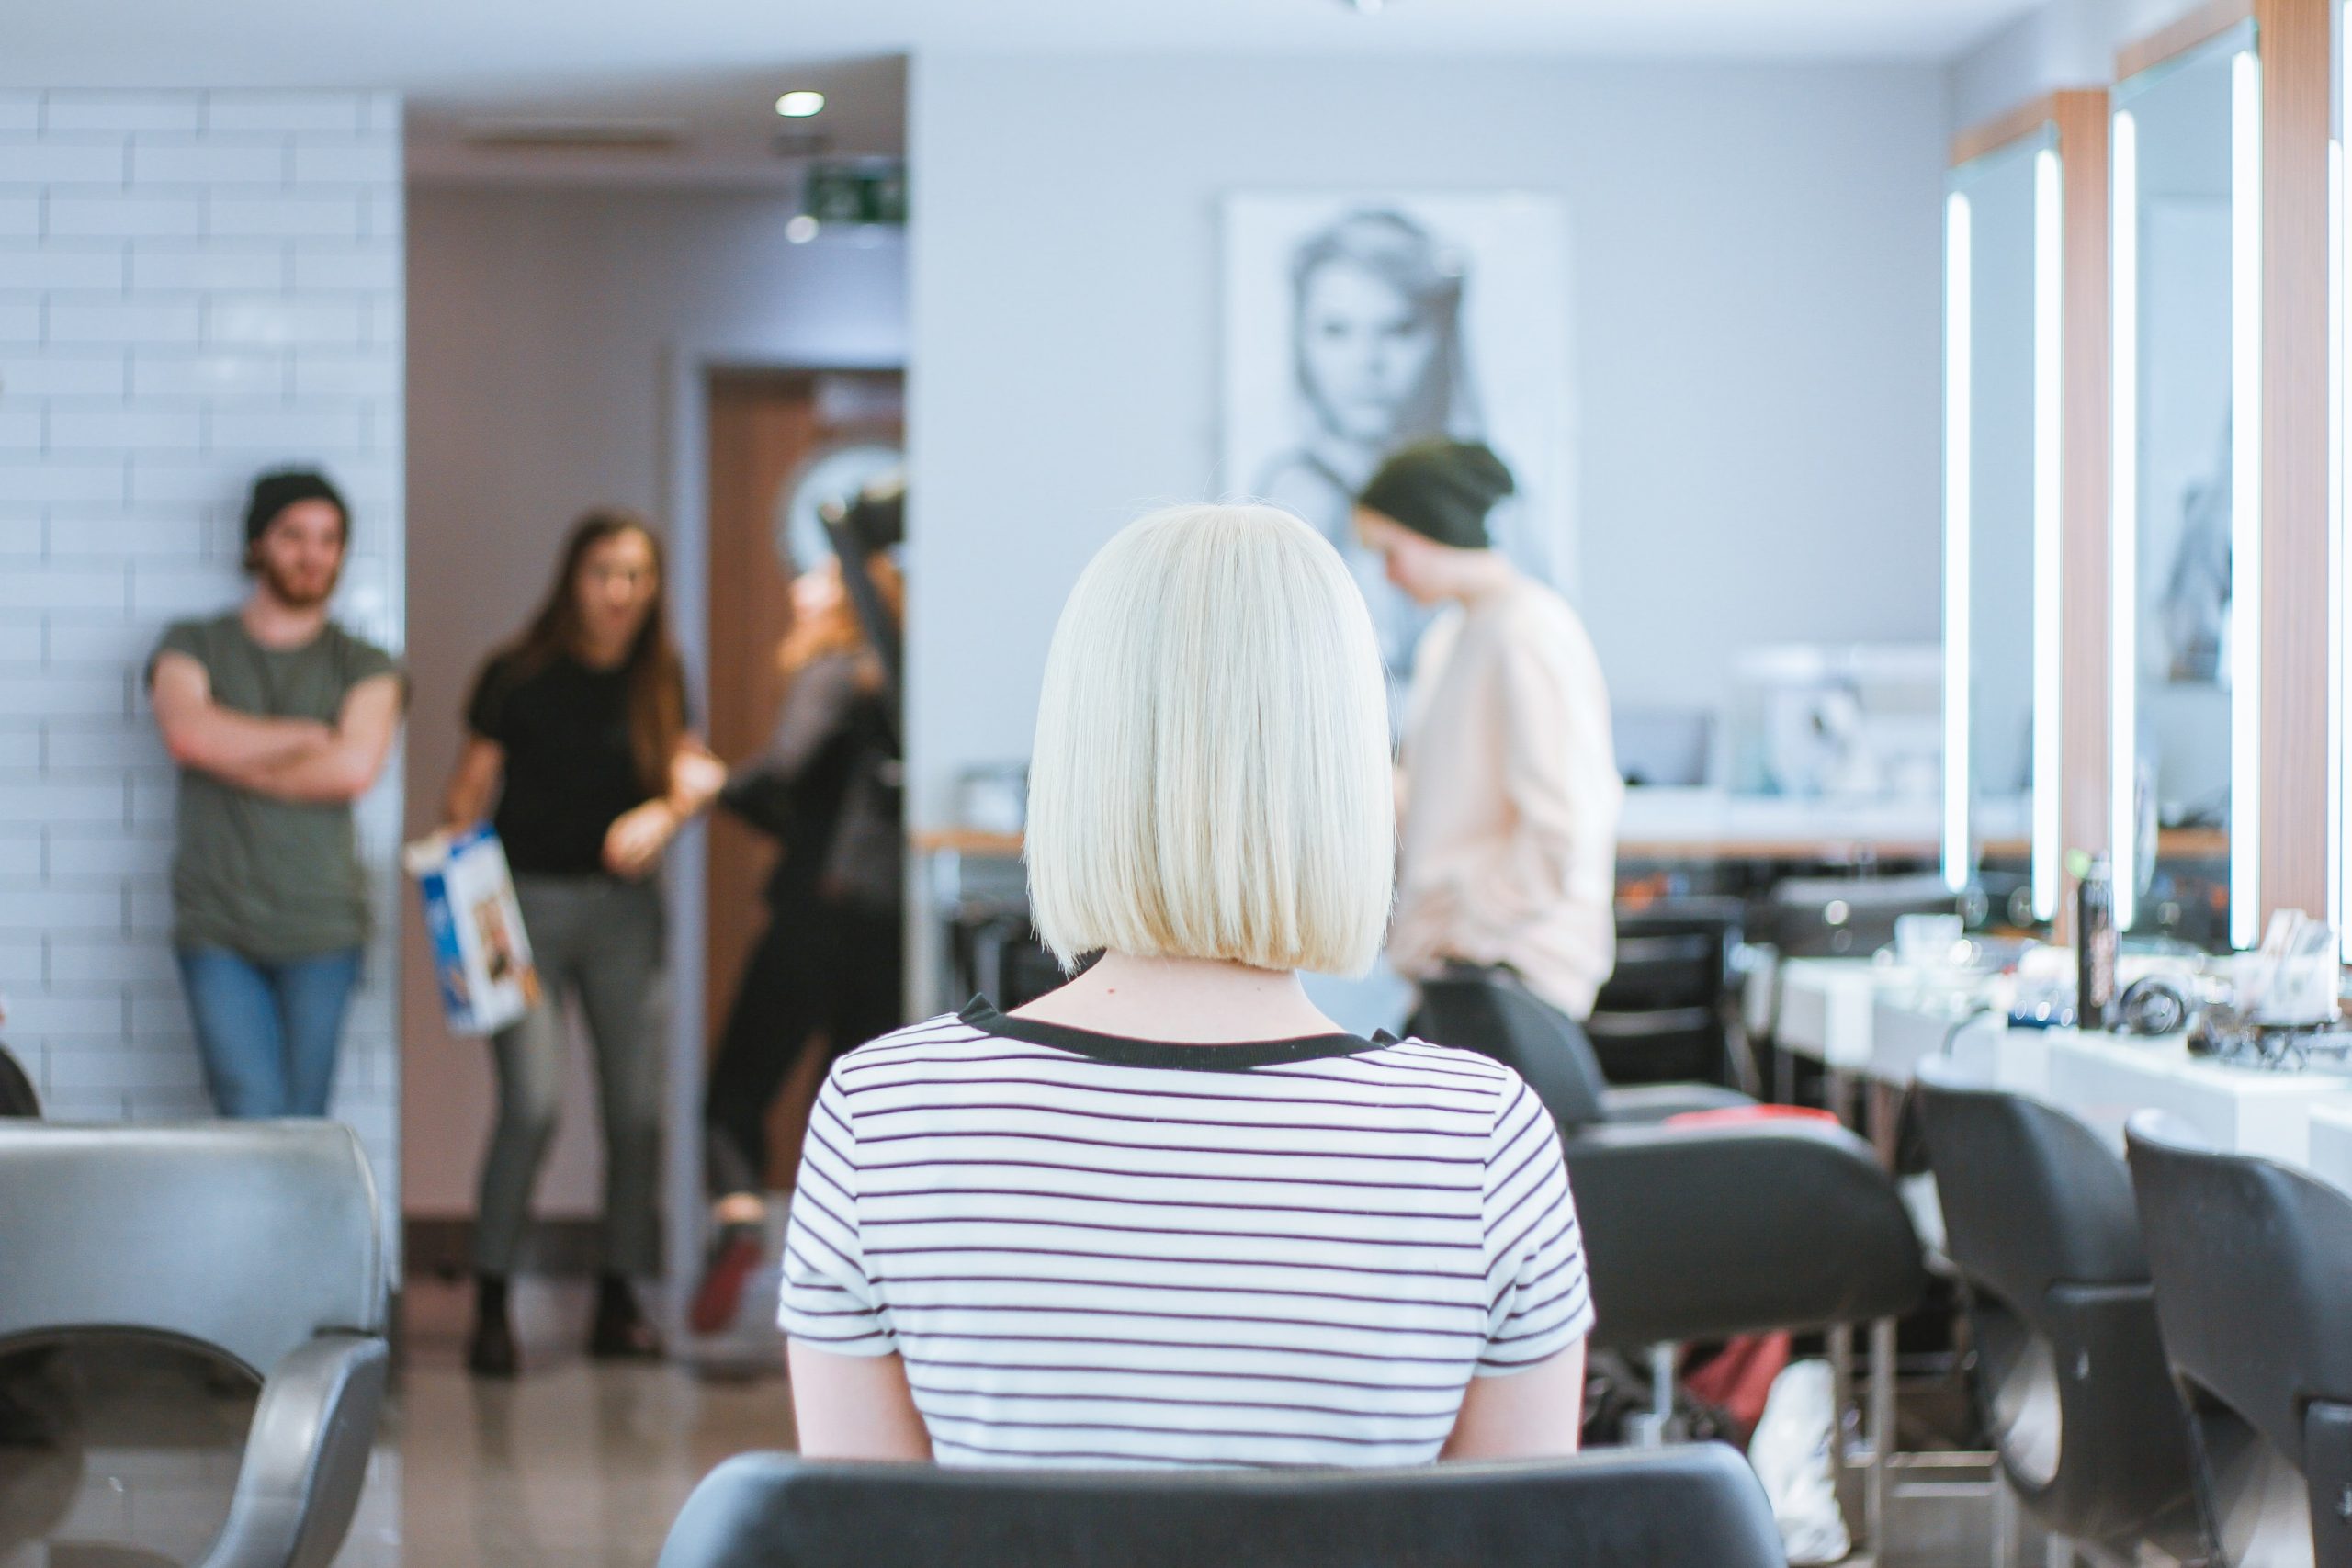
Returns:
(192, 286)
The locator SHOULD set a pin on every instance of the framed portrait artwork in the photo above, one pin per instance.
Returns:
(1358, 321)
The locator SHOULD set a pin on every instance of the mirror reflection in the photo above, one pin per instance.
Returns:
(2176, 564)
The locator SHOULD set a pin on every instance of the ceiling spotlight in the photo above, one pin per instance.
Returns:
(800, 229)
(1365, 7)
(800, 105)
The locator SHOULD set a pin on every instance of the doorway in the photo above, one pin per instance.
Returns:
(778, 442)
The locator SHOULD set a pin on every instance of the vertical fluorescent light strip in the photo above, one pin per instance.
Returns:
(2123, 528)
(2049, 321)
(2246, 499)
(1958, 868)
(2339, 843)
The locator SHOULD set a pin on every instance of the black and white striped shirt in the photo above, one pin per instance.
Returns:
(1098, 1251)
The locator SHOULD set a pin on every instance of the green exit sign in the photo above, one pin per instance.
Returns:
(865, 192)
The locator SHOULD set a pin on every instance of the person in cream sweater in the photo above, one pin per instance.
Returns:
(1509, 790)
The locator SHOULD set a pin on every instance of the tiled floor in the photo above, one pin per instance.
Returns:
(573, 1464)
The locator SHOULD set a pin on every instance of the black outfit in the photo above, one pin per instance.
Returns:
(570, 770)
(831, 959)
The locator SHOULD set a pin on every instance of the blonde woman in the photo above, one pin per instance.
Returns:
(1170, 1214)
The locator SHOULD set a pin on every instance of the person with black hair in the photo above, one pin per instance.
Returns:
(279, 719)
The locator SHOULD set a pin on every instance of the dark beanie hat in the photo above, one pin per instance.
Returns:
(276, 491)
(1441, 490)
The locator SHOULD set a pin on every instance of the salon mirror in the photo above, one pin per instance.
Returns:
(2187, 490)
(2001, 528)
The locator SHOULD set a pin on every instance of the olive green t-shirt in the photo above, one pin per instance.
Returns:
(271, 879)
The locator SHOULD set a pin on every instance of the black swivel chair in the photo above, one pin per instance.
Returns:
(17, 1096)
(1663, 1016)
(1490, 1013)
(1698, 1507)
(2253, 1268)
(2070, 1370)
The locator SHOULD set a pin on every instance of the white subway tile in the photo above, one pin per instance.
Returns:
(115, 644)
(19, 110)
(208, 160)
(305, 215)
(20, 760)
(360, 160)
(61, 803)
(83, 1105)
(147, 216)
(271, 110)
(132, 744)
(19, 322)
(65, 374)
(38, 1014)
(19, 432)
(383, 113)
(162, 590)
(16, 544)
(171, 264)
(124, 111)
(183, 535)
(36, 160)
(383, 214)
(75, 427)
(251, 321)
(308, 429)
(368, 264)
(320, 373)
(174, 481)
(81, 961)
(53, 480)
(66, 266)
(160, 1084)
(166, 374)
(386, 322)
(20, 960)
(151, 908)
(48, 589)
(80, 697)
(19, 216)
(20, 639)
(125, 320)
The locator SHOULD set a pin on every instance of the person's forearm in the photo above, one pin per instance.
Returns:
(237, 746)
(332, 773)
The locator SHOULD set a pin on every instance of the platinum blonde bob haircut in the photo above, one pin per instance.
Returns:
(1211, 777)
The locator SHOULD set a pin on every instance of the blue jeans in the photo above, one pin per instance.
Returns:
(269, 1032)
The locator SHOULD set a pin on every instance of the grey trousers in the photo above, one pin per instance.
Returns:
(599, 938)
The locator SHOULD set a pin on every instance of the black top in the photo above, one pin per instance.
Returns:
(1220, 1057)
(569, 771)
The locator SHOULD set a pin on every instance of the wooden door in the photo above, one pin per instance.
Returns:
(764, 427)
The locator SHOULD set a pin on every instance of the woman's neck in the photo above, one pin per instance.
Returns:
(1192, 1000)
(599, 653)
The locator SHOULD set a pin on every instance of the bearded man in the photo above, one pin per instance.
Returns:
(279, 719)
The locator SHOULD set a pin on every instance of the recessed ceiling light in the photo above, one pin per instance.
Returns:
(800, 105)
(801, 228)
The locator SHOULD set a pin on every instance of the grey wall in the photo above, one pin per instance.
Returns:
(1755, 283)
(2059, 43)
(541, 327)
(193, 286)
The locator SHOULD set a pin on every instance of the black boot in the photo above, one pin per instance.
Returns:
(621, 1332)
(491, 1354)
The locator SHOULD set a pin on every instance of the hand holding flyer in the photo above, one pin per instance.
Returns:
(481, 954)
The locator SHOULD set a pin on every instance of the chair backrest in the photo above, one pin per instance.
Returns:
(18, 1097)
(1698, 1507)
(2040, 1221)
(249, 1236)
(1492, 1014)
(1707, 1231)
(2253, 1268)
(2031, 1195)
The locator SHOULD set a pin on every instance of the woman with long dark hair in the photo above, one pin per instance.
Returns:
(577, 731)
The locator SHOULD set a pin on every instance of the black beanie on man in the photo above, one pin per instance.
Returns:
(276, 491)
(1441, 490)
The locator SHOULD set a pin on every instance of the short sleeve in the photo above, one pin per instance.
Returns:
(828, 1301)
(486, 705)
(181, 637)
(363, 660)
(1538, 1299)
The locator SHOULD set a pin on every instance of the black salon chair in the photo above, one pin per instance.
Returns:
(2039, 1224)
(1664, 1015)
(2253, 1268)
(1489, 1012)
(1697, 1506)
(17, 1096)
(255, 1240)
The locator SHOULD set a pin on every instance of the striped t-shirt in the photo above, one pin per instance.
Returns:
(1091, 1250)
